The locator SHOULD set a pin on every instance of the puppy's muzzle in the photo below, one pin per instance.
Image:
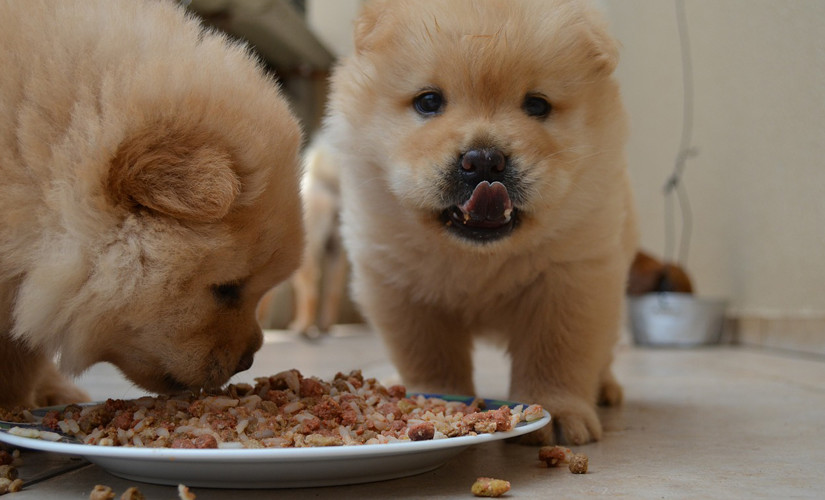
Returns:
(488, 213)
(245, 363)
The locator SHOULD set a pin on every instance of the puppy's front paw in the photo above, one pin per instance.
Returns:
(610, 392)
(56, 389)
(574, 422)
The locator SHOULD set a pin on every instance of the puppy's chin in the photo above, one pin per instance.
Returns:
(154, 373)
(478, 231)
(170, 383)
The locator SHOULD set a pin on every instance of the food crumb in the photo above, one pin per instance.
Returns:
(184, 493)
(578, 463)
(489, 487)
(8, 472)
(16, 486)
(101, 492)
(554, 456)
(132, 494)
(10, 486)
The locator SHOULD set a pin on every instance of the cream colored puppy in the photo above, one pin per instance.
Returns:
(485, 194)
(148, 197)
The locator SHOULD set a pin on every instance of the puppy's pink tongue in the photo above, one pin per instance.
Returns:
(488, 206)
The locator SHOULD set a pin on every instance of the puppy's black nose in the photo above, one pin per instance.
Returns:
(482, 165)
(245, 363)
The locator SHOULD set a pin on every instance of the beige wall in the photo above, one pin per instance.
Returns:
(758, 184)
(332, 22)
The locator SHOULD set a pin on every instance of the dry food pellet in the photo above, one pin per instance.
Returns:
(101, 492)
(489, 487)
(10, 486)
(184, 493)
(5, 483)
(554, 456)
(578, 463)
(132, 494)
(8, 471)
(16, 486)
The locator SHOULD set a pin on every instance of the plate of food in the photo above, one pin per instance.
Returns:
(285, 431)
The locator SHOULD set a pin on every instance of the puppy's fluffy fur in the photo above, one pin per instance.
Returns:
(485, 193)
(148, 197)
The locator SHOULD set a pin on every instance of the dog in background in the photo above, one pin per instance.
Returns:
(148, 197)
(320, 283)
(650, 275)
(485, 194)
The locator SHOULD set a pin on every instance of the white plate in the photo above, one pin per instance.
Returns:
(276, 467)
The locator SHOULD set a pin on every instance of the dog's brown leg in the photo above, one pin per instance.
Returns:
(320, 220)
(430, 349)
(561, 345)
(335, 286)
(53, 388)
(305, 285)
(610, 391)
(19, 366)
(31, 379)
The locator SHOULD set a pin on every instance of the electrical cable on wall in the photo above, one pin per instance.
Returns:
(674, 183)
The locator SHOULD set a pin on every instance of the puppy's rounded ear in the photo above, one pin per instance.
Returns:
(604, 49)
(605, 52)
(368, 25)
(178, 174)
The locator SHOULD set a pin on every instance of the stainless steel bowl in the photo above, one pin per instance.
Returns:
(675, 319)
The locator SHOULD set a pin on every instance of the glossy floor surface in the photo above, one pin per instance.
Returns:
(714, 422)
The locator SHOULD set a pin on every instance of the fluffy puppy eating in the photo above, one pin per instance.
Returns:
(148, 197)
(485, 194)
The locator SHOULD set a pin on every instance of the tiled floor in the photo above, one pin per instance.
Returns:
(716, 422)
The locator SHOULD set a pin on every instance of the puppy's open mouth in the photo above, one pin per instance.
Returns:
(487, 215)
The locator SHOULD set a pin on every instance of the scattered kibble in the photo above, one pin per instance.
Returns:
(578, 463)
(184, 493)
(101, 492)
(132, 494)
(10, 486)
(489, 487)
(16, 486)
(8, 471)
(554, 456)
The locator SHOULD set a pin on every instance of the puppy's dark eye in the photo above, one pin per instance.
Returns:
(536, 106)
(429, 103)
(228, 294)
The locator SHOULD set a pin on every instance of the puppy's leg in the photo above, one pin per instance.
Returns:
(431, 351)
(561, 343)
(321, 217)
(31, 379)
(610, 391)
(335, 284)
(305, 286)
(19, 366)
(53, 388)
